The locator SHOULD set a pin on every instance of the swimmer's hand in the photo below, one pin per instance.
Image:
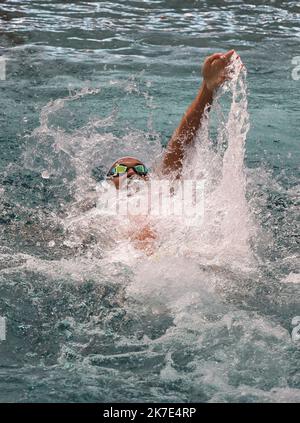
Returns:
(214, 69)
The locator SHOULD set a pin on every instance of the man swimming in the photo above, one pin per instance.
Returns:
(125, 169)
(214, 74)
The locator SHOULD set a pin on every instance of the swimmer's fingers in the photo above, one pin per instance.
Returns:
(227, 56)
(215, 69)
(213, 57)
(220, 60)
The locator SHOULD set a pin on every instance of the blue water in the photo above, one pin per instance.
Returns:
(209, 317)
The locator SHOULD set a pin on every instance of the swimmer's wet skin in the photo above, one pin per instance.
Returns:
(214, 73)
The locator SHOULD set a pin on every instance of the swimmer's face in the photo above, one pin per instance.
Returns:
(130, 162)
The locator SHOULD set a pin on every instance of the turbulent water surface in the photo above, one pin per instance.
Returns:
(209, 316)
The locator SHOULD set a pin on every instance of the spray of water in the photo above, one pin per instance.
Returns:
(222, 236)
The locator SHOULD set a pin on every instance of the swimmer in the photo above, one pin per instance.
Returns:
(214, 73)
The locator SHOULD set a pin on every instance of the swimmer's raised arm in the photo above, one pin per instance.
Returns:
(214, 74)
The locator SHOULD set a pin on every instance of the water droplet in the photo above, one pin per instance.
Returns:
(45, 174)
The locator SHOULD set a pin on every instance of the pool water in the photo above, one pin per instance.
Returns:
(211, 316)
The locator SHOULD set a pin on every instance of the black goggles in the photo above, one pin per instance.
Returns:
(120, 169)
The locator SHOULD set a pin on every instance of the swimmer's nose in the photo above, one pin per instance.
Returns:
(130, 173)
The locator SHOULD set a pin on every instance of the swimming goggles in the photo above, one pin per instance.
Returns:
(120, 169)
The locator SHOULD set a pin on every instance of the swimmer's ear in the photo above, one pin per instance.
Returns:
(99, 173)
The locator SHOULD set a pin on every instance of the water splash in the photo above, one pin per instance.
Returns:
(222, 238)
(224, 235)
(196, 316)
